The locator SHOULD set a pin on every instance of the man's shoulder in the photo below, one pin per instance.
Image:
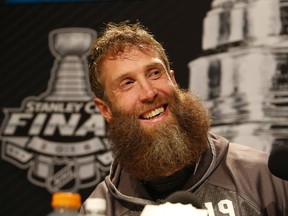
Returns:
(247, 153)
(237, 150)
(99, 191)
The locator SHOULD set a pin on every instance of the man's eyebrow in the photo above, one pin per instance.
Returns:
(154, 64)
(146, 67)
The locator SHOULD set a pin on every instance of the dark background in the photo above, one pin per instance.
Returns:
(26, 62)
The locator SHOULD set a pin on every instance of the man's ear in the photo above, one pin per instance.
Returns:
(103, 108)
(173, 77)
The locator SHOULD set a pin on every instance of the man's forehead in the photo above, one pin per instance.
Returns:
(138, 59)
(130, 50)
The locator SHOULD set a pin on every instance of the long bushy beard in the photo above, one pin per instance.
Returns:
(148, 152)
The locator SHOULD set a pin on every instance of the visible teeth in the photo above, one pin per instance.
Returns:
(154, 113)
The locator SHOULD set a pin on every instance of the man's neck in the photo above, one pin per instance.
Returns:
(161, 187)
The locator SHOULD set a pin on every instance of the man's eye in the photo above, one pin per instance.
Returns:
(126, 84)
(155, 74)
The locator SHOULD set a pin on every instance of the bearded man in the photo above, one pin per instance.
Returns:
(160, 136)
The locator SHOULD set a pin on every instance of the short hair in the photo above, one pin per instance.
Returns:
(116, 39)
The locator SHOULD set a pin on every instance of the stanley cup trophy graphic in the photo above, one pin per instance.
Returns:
(243, 73)
(70, 50)
(60, 136)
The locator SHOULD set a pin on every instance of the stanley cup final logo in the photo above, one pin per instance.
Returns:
(59, 136)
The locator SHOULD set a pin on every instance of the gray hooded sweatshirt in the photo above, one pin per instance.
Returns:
(229, 180)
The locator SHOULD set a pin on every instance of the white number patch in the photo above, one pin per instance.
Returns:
(224, 206)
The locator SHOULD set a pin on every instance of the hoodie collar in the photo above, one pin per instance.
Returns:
(132, 190)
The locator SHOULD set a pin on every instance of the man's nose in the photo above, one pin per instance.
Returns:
(148, 92)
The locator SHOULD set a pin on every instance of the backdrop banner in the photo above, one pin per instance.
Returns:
(231, 53)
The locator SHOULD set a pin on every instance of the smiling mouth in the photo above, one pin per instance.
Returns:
(154, 113)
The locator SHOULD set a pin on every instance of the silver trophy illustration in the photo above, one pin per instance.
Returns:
(243, 72)
(70, 46)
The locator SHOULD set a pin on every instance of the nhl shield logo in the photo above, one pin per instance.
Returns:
(59, 136)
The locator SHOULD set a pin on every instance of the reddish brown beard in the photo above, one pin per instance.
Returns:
(155, 151)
